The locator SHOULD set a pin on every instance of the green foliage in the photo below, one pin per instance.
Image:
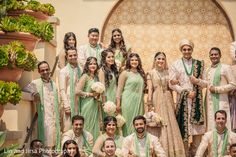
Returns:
(3, 57)
(33, 5)
(47, 9)
(9, 24)
(2, 138)
(15, 55)
(14, 93)
(4, 94)
(15, 5)
(46, 31)
(27, 23)
(30, 5)
(9, 92)
(30, 61)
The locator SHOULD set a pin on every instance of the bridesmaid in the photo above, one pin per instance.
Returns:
(160, 97)
(89, 108)
(69, 41)
(108, 75)
(130, 92)
(118, 46)
(110, 125)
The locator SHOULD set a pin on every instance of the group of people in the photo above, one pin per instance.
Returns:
(77, 114)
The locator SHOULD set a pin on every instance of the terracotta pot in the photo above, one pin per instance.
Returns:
(29, 41)
(1, 110)
(37, 14)
(10, 74)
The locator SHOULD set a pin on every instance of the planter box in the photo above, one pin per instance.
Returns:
(37, 14)
(10, 74)
(30, 41)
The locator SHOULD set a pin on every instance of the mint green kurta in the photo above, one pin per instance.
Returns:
(89, 110)
(132, 100)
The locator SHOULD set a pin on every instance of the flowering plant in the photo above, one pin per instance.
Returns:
(109, 108)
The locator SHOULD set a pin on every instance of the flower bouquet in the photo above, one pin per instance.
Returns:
(154, 119)
(109, 108)
(120, 122)
(98, 88)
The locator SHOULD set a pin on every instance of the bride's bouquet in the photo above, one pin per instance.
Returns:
(154, 119)
(109, 108)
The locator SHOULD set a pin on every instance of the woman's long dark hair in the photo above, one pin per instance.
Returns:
(122, 43)
(64, 149)
(66, 37)
(108, 71)
(86, 66)
(139, 67)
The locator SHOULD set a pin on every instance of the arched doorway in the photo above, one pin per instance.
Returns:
(156, 25)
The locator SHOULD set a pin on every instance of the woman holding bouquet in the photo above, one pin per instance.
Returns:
(130, 92)
(160, 97)
(108, 75)
(89, 108)
(110, 125)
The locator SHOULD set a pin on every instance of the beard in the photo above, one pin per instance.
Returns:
(139, 130)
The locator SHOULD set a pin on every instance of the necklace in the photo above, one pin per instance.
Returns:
(185, 68)
(162, 78)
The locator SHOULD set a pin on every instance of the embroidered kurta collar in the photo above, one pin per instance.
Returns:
(188, 61)
(214, 66)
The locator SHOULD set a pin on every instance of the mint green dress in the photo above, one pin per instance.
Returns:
(132, 100)
(89, 110)
(111, 90)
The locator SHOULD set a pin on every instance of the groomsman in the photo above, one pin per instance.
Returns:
(45, 95)
(68, 78)
(92, 49)
(217, 141)
(83, 138)
(141, 143)
(220, 82)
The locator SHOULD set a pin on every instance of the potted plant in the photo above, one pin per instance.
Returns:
(9, 92)
(14, 58)
(32, 7)
(26, 29)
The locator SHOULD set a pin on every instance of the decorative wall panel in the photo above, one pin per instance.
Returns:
(158, 25)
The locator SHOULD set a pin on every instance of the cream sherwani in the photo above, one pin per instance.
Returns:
(207, 142)
(70, 135)
(49, 111)
(227, 83)
(177, 72)
(85, 51)
(64, 84)
(155, 146)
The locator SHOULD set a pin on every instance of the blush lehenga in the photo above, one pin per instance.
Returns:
(163, 104)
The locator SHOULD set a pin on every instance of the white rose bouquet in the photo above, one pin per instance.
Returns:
(109, 108)
(98, 87)
(154, 119)
(120, 122)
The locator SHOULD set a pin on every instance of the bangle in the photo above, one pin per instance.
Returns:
(215, 90)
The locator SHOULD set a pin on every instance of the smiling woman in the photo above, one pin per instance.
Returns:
(110, 126)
